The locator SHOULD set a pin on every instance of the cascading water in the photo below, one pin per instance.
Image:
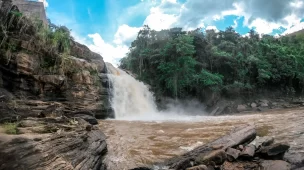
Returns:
(132, 100)
(129, 96)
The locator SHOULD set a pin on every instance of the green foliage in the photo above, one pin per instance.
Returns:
(177, 67)
(16, 13)
(210, 80)
(10, 128)
(179, 64)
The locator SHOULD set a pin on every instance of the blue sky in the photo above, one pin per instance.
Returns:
(109, 26)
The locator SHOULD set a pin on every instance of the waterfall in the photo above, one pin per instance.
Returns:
(130, 98)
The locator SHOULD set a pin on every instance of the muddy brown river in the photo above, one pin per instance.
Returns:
(138, 143)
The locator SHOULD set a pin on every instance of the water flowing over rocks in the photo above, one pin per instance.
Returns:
(134, 144)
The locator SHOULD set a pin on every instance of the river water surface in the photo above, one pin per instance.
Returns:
(142, 135)
(137, 143)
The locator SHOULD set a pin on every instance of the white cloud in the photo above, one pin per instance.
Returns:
(45, 3)
(158, 20)
(110, 53)
(263, 27)
(212, 27)
(125, 34)
(295, 28)
(296, 4)
(237, 9)
(217, 17)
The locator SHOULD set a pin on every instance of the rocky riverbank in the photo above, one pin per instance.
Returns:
(222, 106)
(53, 143)
(238, 150)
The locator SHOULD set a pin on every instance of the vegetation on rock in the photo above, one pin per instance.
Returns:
(10, 128)
(181, 64)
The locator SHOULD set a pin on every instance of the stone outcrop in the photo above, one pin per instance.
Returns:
(39, 77)
(53, 97)
(53, 143)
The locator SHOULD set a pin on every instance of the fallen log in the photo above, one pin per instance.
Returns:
(242, 135)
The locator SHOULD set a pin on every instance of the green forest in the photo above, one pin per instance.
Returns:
(180, 64)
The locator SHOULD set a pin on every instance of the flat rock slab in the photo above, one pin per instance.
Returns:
(275, 165)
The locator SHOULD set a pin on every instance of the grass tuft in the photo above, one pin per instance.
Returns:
(10, 128)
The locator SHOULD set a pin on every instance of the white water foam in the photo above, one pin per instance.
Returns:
(130, 98)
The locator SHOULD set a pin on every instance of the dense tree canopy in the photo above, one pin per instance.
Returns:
(178, 64)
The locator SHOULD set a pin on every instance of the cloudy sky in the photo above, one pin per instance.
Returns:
(109, 26)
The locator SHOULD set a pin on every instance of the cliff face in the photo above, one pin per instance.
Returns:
(81, 89)
(52, 89)
(37, 75)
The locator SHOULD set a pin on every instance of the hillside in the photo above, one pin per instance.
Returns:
(301, 32)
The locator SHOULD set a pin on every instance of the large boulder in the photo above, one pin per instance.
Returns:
(275, 150)
(241, 108)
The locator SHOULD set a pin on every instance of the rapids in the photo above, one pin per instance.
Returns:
(136, 143)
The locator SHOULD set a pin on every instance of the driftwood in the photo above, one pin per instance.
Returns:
(242, 135)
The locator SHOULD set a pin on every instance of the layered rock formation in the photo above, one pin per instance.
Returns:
(38, 76)
(52, 89)
(72, 145)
